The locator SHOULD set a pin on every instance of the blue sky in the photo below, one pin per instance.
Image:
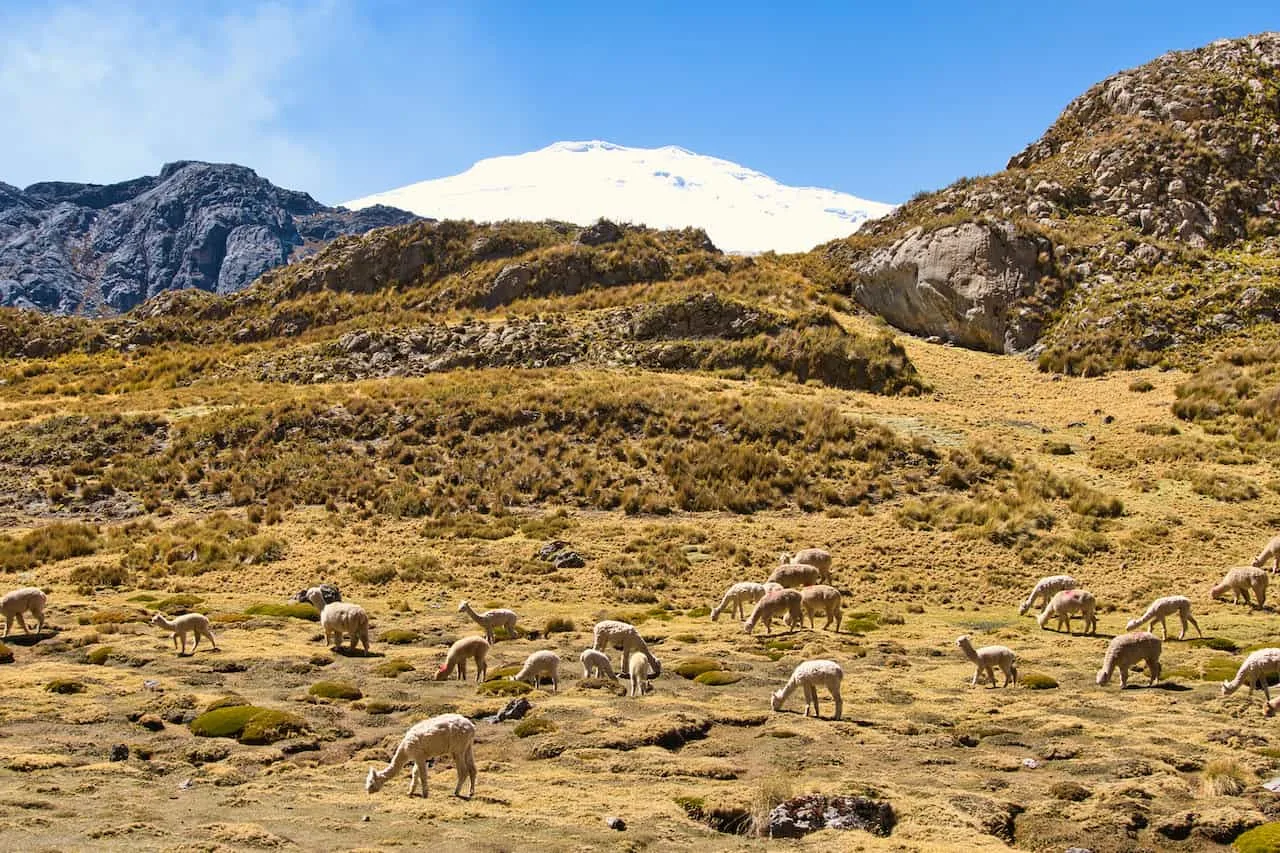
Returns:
(344, 99)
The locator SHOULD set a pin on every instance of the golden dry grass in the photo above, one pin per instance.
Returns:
(949, 758)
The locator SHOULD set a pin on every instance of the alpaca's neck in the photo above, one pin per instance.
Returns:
(969, 651)
(466, 608)
(165, 622)
(317, 601)
(788, 689)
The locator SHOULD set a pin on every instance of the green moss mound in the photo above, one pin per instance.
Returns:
(393, 668)
(116, 616)
(693, 667)
(503, 688)
(717, 678)
(1260, 839)
(378, 706)
(291, 611)
(1221, 644)
(335, 690)
(861, 623)
(65, 686)
(178, 603)
(1037, 681)
(399, 637)
(502, 672)
(534, 726)
(231, 700)
(249, 724)
(98, 656)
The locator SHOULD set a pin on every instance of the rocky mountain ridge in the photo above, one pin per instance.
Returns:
(73, 248)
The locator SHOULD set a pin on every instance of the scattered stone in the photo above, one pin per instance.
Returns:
(119, 752)
(329, 592)
(1177, 827)
(614, 822)
(151, 722)
(1224, 824)
(514, 710)
(800, 816)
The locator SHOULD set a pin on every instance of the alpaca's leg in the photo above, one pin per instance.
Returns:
(1193, 621)
(8, 623)
(469, 762)
(420, 765)
(23, 623)
(836, 698)
(811, 700)
(973, 682)
(197, 642)
(462, 670)
(39, 620)
(1124, 677)
(212, 640)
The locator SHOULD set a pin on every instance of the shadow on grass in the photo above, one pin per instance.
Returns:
(355, 653)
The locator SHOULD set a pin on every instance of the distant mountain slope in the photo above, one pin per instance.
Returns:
(88, 248)
(742, 210)
(1138, 229)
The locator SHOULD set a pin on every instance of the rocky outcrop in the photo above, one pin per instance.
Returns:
(86, 248)
(964, 283)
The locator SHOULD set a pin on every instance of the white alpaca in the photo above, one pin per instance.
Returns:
(491, 619)
(1163, 608)
(987, 658)
(739, 596)
(596, 664)
(29, 599)
(1068, 603)
(338, 618)
(541, 665)
(1270, 553)
(775, 604)
(1240, 582)
(1044, 590)
(811, 675)
(640, 670)
(448, 734)
(824, 599)
(612, 634)
(476, 648)
(815, 557)
(1255, 669)
(793, 575)
(1127, 651)
(188, 623)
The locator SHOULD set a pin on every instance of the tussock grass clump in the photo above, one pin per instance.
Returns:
(1057, 448)
(392, 668)
(1225, 777)
(292, 610)
(177, 604)
(503, 688)
(65, 686)
(193, 547)
(87, 578)
(48, 544)
(1222, 486)
(1141, 386)
(117, 616)
(373, 575)
(399, 637)
(335, 690)
(860, 622)
(98, 656)
(1037, 681)
(534, 726)
(558, 625)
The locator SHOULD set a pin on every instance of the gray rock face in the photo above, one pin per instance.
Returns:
(86, 248)
(962, 283)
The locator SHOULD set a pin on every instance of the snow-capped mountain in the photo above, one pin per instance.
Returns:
(742, 210)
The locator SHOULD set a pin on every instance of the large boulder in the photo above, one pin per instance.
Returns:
(965, 283)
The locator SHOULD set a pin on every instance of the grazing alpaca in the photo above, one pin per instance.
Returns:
(816, 557)
(795, 575)
(476, 648)
(1270, 553)
(596, 664)
(338, 618)
(775, 604)
(638, 664)
(448, 734)
(739, 596)
(1255, 669)
(821, 598)
(491, 619)
(29, 599)
(1044, 590)
(986, 659)
(612, 634)
(811, 675)
(541, 665)
(1161, 609)
(1127, 651)
(1240, 582)
(1067, 603)
(188, 623)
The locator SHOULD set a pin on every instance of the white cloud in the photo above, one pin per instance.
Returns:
(103, 91)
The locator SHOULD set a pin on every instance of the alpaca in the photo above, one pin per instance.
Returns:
(29, 599)
(612, 634)
(816, 557)
(596, 664)
(448, 734)
(795, 574)
(774, 604)
(771, 586)
(821, 598)
(188, 623)
(1270, 553)
(1161, 609)
(987, 658)
(491, 619)
(329, 591)
(338, 618)
(1044, 590)
(739, 595)
(811, 675)
(638, 664)
(1255, 669)
(541, 665)
(1067, 603)
(1127, 651)
(1240, 582)
(476, 648)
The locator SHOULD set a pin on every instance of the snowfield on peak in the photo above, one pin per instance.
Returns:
(742, 210)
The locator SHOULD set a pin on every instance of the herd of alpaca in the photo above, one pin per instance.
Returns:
(800, 585)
